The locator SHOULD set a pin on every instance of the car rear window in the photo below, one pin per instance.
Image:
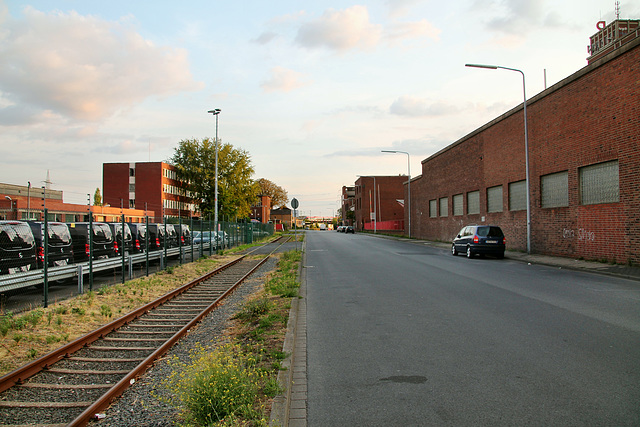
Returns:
(102, 232)
(16, 235)
(490, 231)
(59, 234)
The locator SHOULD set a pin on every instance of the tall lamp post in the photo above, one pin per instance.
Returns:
(10, 205)
(408, 184)
(216, 112)
(526, 143)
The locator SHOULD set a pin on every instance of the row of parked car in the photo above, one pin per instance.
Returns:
(22, 242)
(345, 229)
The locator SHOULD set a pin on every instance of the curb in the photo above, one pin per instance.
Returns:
(290, 407)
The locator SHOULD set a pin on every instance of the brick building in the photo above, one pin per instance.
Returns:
(283, 216)
(19, 202)
(381, 199)
(584, 158)
(348, 201)
(261, 210)
(149, 186)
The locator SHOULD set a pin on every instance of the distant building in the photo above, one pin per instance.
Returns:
(261, 210)
(378, 203)
(282, 216)
(19, 202)
(348, 198)
(148, 186)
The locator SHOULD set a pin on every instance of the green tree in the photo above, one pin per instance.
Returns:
(279, 196)
(97, 198)
(195, 164)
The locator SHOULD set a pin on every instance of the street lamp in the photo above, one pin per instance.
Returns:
(526, 143)
(216, 112)
(408, 184)
(10, 203)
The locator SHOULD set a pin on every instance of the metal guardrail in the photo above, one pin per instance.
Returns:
(16, 281)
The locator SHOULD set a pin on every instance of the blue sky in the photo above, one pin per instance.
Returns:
(312, 90)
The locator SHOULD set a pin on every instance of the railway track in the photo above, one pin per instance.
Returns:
(70, 386)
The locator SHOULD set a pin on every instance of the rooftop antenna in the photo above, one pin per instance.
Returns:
(617, 9)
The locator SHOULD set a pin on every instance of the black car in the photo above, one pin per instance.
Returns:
(60, 247)
(127, 245)
(103, 241)
(349, 229)
(17, 247)
(184, 234)
(156, 234)
(138, 236)
(479, 240)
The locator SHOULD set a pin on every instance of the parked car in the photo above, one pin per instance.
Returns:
(172, 235)
(156, 234)
(103, 241)
(60, 247)
(479, 240)
(119, 245)
(17, 247)
(341, 228)
(184, 234)
(350, 229)
(138, 236)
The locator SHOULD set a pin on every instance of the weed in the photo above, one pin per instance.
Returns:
(78, 310)
(59, 320)
(32, 353)
(17, 337)
(49, 316)
(105, 310)
(61, 310)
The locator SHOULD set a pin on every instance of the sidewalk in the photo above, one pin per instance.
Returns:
(290, 409)
(616, 270)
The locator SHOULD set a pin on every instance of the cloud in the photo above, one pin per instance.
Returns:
(82, 67)
(283, 80)
(415, 107)
(265, 38)
(351, 29)
(518, 17)
(341, 30)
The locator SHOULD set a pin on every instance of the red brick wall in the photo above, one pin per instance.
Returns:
(390, 190)
(115, 184)
(591, 117)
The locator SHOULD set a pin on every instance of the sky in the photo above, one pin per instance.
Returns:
(313, 91)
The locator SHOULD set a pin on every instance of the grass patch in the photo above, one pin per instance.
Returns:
(234, 384)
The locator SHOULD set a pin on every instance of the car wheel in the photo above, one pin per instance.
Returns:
(469, 252)
(454, 251)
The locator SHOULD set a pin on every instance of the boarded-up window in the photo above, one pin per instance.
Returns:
(458, 200)
(444, 206)
(600, 183)
(494, 199)
(433, 208)
(473, 202)
(518, 196)
(555, 190)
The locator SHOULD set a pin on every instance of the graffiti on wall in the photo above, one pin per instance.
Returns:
(581, 234)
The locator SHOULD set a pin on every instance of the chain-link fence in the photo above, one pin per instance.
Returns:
(45, 254)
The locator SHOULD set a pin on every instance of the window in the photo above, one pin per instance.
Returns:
(444, 206)
(494, 199)
(555, 190)
(132, 172)
(458, 209)
(132, 188)
(433, 208)
(518, 196)
(600, 183)
(473, 202)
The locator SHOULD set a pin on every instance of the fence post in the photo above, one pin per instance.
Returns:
(122, 249)
(45, 243)
(146, 242)
(80, 280)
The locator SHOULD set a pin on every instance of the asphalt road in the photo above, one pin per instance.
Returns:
(400, 334)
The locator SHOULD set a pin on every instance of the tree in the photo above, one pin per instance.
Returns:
(279, 196)
(195, 166)
(97, 198)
